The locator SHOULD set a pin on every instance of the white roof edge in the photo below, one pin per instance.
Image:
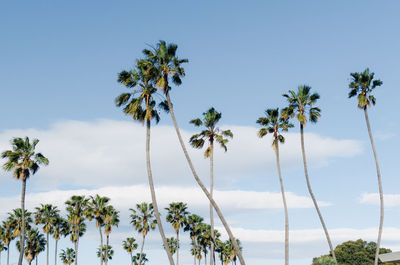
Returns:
(390, 257)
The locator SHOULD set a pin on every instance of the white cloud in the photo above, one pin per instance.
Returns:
(373, 199)
(107, 152)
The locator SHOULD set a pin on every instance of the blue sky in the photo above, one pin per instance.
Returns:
(59, 63)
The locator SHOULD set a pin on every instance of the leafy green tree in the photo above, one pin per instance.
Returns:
(76, 209)
(362, 85)
(169, 67)
(24, 162)
(46, 215)
(111, 219)
(274, 123)
(8, 236)
(210, 134)
(67, 256)
(324, 260)
(106, 253)
(301, 106)
(60, 228)
(130, 246)
(97, 210)
(143, 259)
(143, 220)
(141, 104)
(176, 216)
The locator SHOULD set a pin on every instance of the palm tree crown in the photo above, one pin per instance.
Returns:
(143, 218)
(177, 213)
(362, 85)
(273, 123)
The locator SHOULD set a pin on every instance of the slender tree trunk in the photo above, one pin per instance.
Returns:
(76, 250)
(276, 147)
(101, 245)
(177, 247)
(22, 236)
(131, 258)
(55, 252)
(378, 172)
(47, 248)
(8, 254)
(205, 257)
(312, 194)
(214, 204)
(106, 254)
(36, 260)
(153, 194)
(211, 208)
(141, 251)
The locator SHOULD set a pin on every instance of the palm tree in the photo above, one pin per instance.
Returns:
(24, 162)
(169, 66)
(67, 256)
(35, 243)
(111, 218)
(8, 236)
(130, 246)
(18, 223)
(96, 210)
(60, 227)
(211, 133)
(196, 252)
(230, 250)
(301, 105)
(76, 208)
(172, 244)
(362, 86)
(143, 220)
(136, 259)
(106, 253)
(47, 215)
(275, 123)
(3, 246)
(177, 214)
(193, 225)
(141, 105)
(204, 240)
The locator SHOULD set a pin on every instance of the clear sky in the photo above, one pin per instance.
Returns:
(58, 67)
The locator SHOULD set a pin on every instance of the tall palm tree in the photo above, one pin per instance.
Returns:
(362, 86)
(143, 220)
(140, 103)
(274, 123)
(97, 210)
(67, 256)
(46, 215)
(8, 236)
(111, 218)
(177, 214)
(204, 240)
(169, 66)
(60, 228)
(301, 105)
(76, 209)
(130, 246)
(193, 225)
(35, 243)
(24, 162)
(210, 134)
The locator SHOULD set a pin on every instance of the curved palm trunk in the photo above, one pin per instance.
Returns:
(153, 194)
(101, 244)
(214, 204)
(55, 252)
(141, 251)
(312, 194)
(22, 236)
(211, 208)
(284, 203)
(378, 172)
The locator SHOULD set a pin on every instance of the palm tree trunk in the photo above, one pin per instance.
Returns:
(141, 251)
(47, 248)
(36, 260)
(101, 244)
(131, 258)
(177, 247)
(106, 254)
(312, 194)
(378, 172)
(8, 254)
(214, 204)
(22, 236)
(76, 250)
(153, 194)
(284, 202)
(55, 253)
(211, 208)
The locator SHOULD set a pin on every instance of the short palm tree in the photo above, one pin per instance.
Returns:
(60, 228)
(3, 246)
(19, 221)
(143, 220)
(204, 240)
(210, 134)
(106, 253)
(142, 261)
(46, 215)
(76, 209)
(141, 104)
(8, 236)
(130, 246)
(169, 66)
(177, 214)
(196, 252)
(193, 225)
(362, 85)
(97, 210)
(111, 218)
(34, 244)
(67, 256)
(172, 244)
(24, 162)
(274, 123)
(301, 105)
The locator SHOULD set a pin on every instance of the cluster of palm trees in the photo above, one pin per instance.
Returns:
(149, 85)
